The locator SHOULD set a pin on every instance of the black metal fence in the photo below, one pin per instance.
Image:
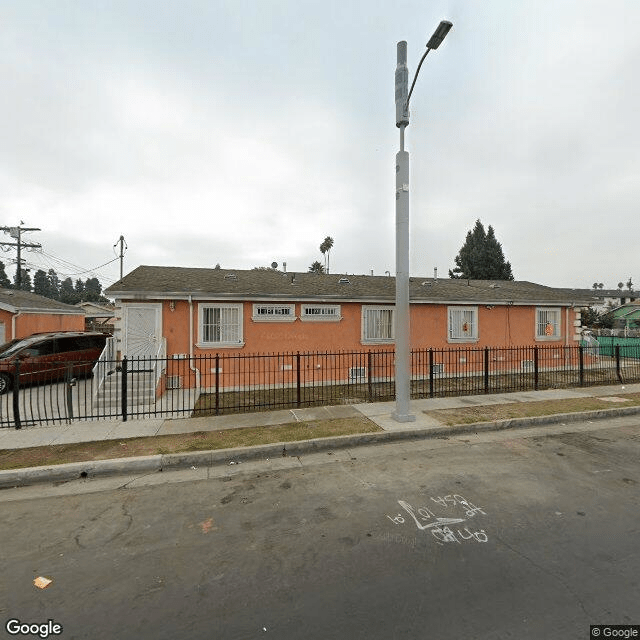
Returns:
(224, 383)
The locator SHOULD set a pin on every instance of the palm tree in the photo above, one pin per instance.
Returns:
(325, 248)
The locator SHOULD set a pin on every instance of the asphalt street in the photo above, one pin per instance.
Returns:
(524, 534)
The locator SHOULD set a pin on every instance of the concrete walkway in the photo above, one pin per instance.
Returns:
(380, 413)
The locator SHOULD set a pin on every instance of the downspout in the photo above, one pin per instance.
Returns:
(13, 325)
(191, 356)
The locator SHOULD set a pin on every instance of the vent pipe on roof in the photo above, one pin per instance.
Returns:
(371, 271)
(435, 273)
(284, 267)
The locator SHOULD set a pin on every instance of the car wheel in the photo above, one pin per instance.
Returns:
(5, 383)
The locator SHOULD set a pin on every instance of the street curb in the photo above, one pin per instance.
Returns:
(174, 461)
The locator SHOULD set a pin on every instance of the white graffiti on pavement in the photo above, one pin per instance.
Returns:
(440, 527)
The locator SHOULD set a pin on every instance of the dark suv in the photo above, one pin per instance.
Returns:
(47, 357)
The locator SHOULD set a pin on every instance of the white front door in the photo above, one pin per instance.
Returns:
(142, 330)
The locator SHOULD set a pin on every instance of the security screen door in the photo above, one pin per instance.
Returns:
(142, 332)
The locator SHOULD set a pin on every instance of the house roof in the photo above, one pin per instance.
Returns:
(599, 295)
(15, 300)
(152, 282)
(95, 310)
(629, 311)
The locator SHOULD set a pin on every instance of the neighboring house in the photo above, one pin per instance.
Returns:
(195, 312)
(98, 317)
(23, 313)
(627, 316)
(603, 300)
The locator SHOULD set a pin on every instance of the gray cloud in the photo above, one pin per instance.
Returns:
(222, 132)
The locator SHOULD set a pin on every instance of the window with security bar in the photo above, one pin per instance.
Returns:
(377, 324)
(547, 324)
(273, 313)
(220, 325)
(321, 312)
(463, 324)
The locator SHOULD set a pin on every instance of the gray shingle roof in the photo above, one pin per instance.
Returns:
(16, 299)
(147, 282)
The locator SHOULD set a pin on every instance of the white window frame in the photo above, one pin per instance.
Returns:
(455, 326)
(273, 312)
(556, 323)
(237, 339)
(328, 313)
(366, 324)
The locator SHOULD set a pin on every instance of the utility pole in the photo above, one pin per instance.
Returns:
(123, 246)
(402, 308)
(16, 232)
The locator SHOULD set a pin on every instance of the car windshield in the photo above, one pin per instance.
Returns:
(10, 348)
(8, 345)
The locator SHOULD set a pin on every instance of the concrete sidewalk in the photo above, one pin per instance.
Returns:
(380, 413)
(424, 427)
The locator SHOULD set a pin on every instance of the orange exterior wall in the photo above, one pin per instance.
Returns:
(500, 326)
(30, 323)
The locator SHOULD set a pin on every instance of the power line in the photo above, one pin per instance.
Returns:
(16, 232)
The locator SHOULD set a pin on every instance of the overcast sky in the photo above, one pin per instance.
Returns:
(243, 132)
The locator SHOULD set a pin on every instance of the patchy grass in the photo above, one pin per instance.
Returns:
(493, 412)
(378, 391)
(200, 441)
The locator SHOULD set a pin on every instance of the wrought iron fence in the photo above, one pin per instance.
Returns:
(178, 386)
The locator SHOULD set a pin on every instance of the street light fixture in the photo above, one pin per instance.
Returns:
(402, 323)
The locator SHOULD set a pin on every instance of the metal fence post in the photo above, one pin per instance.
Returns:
(68, 383)
(124, 390)
(16, 396)
(431, 373)
(535, 368)
(298, 379)
(618, 372)
(486, 369)
(581, 354)
(217, 384)
(369, 376)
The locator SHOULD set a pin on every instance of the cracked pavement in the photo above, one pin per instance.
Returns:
(527, 534)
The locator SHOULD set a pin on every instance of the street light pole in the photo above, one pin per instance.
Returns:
(402, 319)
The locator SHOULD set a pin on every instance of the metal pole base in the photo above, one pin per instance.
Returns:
(403, 417)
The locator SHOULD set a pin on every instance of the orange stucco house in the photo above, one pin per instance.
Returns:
(182, 312)
(23, 313)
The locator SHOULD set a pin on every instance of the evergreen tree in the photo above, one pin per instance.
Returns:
(79, 291)
(54, 284)
(316, 267)
(92, 290)
(481, 257)
(25, 280)
(41, 284)
(5, 283)
(67, 292)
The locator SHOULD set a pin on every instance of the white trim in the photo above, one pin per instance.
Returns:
(363, 330)
(557, 325)
(321, 317)
(236, 342)
(473, 334)
(274, 312)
